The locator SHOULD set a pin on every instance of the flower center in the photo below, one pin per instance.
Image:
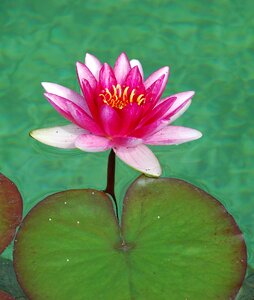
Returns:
(119, 96)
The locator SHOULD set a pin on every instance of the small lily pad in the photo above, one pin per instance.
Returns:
(10, 211)
(175, 242)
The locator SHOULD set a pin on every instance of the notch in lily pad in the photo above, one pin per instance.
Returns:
(10, 211)
(175, 242)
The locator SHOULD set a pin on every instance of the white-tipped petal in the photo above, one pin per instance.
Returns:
(121, 67)
(59, 136)
(62, 91)
(173, 135)
(135, 62)
(180, 112)
(183, 100)
(84, 72)
(93, 64)
(140, 158)
(155, 76)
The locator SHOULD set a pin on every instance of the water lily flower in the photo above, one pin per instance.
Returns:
(118, 109)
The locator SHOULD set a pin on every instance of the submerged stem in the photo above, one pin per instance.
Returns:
(110, 189)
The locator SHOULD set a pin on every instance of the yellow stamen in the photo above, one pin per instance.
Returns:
(132, 95)
(115, 91)
(140, 99)
(118, 86)
(108, 92)
(120, 97)
(125, 93)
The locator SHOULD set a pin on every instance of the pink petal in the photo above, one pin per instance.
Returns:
(84, 73)
(73, 113)
(149, 129)
(140, 158)
(90, 97)
(60, 136)
(92, 143)
(60, 105)
(82, 119)
(130, 116)
(125, 142)
(56, 89)
(173, 135)
(135, 62)
(179, 111)
(110, 120)
(158, 112)
(155, 76)
(154, 89)
(107, 77)
(134, 79)
(183, 101)
(93, 64)
(152, 94)
(121, 68)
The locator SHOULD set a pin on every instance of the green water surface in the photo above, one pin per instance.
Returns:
(209, 47)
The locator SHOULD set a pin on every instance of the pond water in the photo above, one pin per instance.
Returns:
(209, 47)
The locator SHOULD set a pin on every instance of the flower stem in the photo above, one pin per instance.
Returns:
(110, 189)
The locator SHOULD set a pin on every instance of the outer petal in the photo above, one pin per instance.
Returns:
(83, 120)
(93, 64)
(155, 76)
(179, 111)
(140, 158)
(60, 105)
(180, 105)
(135, 62)
(173, 135)
(84, 73)
(73, 113)
(121, 67)
(56, 89)
(92, 143)
(60, 136)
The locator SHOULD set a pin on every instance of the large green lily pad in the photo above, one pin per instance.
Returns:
(176, 242)
(10, 211)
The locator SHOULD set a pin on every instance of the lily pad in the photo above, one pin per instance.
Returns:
(175, 242)
(10, 211)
